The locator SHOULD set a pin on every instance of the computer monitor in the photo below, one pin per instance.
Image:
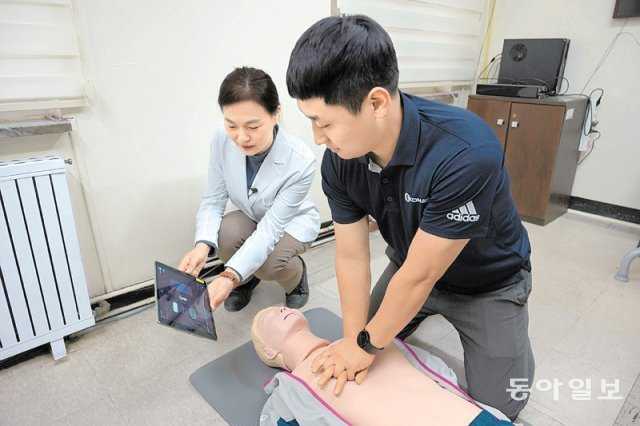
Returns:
(536, 62)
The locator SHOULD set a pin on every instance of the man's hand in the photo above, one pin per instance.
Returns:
(219, 289)
(343, 360)
(193, 262)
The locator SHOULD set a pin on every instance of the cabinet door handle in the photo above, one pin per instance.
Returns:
(500, 122)
(514, 124)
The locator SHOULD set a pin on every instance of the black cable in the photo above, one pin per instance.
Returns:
(512, 81)
(589, 113)
(597, 89)
(491, 63)
(539, 80)
(546, 84)
(491, 67)
(560, 93)
(487, 66)
(495, 68)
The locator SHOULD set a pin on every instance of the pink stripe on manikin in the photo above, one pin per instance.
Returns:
(313, 393)
(458, 388)
(265, 384)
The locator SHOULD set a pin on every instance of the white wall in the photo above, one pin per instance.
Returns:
(140, 148)
(611, 174)
(154, 69)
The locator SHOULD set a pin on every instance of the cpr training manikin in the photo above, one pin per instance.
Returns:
(404, 385)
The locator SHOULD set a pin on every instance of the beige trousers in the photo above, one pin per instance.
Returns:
(282, 265)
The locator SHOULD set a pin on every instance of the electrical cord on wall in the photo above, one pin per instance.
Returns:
(588, 118)
(593, 143)
(589, 115)
(589, 123)
(608, 51)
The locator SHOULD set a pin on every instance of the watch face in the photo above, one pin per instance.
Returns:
(363, 339)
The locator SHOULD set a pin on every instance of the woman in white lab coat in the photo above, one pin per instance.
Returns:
(267, 174)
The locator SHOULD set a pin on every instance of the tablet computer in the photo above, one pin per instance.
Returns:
(182, 302)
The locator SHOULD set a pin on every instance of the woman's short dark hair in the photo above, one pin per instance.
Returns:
(249, 84)
(340, 59)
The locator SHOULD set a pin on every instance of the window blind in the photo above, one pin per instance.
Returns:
(437, 42)
(39, 62)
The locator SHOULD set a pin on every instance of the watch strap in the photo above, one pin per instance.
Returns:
(230, 275)
(364, 341)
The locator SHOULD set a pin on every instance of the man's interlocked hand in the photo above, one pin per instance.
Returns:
(344, 361)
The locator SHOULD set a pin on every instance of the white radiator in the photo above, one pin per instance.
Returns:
(44, 292)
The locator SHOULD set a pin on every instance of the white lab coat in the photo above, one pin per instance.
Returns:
(282, 202)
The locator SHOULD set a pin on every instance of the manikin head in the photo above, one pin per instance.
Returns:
(277, 330)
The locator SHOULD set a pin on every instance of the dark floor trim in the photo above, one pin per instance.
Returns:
(326, 224)
(613, 211)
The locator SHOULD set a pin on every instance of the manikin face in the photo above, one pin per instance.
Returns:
(349, 136)
(277, 325)
(250, 126)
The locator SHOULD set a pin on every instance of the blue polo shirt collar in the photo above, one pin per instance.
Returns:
(407, 146)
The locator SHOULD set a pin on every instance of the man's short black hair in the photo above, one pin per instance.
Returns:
(340, 59)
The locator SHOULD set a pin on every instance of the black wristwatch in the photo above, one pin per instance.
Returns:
(364, 341)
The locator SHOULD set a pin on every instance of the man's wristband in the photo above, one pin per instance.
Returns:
(364, 341)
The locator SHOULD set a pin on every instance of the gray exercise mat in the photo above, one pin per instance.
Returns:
(232, 384)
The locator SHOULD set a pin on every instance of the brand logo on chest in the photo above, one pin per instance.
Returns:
(409, 199)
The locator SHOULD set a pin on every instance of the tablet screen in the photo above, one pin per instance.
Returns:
(182, 302)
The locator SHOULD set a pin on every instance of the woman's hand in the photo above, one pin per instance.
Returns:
(219, 289)
(194, 261)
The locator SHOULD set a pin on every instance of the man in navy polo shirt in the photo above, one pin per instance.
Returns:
(432, 177)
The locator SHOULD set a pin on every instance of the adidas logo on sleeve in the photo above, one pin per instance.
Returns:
(465, 213)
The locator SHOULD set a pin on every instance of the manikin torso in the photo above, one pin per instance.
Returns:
(394, 391)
